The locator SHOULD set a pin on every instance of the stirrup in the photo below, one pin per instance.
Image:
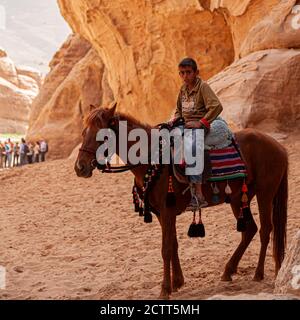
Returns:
(196, 204)
(203, 204)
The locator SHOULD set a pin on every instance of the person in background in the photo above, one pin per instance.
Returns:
(16, 154)
(23, 152)
(43, 149)
(36, 151)
(2, 155)
(5, 155)
(9, 152)
(30, 153)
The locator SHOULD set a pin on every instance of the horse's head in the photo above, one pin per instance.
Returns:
(97, 119)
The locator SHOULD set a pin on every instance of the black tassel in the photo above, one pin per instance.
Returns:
(245, 210)
(200, 230)
(196, 230)
(216, 193)
(241, 224)
(141, 211)
(135, 199)
(147, 213)
(171, 199)
(215, 199)
(148, 217)
(228, 192)
(227, 198)
(247, 214)
(200, 227)
(192, 233)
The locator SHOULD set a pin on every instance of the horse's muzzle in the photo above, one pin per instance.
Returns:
(82, 170)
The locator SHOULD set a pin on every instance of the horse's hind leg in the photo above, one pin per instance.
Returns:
(247, 236)
(177, 276)
(265, 211)
(168, 224)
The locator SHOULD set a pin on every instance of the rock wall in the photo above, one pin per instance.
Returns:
(288, 278)
(262, 90)
(141, 42)
(76, 80)
(18, 87)
(248, 50)
(258, 25)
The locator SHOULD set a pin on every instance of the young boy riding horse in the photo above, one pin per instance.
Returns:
(199, 106)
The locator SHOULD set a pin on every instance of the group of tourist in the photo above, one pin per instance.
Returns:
(13, 154)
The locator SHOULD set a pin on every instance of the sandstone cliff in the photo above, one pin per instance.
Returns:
(76, 80)
(288, 279)
(18, 87)
(141, 44)
(248, 50)
(262, 90)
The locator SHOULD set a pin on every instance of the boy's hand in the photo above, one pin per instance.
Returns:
(197, 125)
(194, 125)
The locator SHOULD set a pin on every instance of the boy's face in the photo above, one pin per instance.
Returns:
(188, 75)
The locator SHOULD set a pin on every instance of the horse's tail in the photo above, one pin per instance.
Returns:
(280, 220)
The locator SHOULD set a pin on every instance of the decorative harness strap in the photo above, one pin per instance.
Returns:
(107, 168)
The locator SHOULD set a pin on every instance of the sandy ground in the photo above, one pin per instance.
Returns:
(64, 237)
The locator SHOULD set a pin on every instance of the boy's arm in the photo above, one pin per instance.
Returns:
(212, 103)
(178, 111)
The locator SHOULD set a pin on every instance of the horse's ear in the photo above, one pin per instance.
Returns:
(112, 110)
(92, 107)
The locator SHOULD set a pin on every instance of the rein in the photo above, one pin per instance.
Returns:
(107, 168)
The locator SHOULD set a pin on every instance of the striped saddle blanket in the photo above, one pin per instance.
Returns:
(226, 164)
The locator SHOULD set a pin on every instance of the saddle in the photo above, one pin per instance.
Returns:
(179, 170)
(222, 157)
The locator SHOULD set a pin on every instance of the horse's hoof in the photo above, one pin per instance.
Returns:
(177, 285)
(226, 277)
(165, 293)
(164, 296)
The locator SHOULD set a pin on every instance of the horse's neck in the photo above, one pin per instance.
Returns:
(130, 126)
(138, 172)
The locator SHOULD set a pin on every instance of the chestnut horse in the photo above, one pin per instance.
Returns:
(267, 166)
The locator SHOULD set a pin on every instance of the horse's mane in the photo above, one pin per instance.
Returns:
(93, 119)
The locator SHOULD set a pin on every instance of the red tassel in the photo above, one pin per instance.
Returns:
(241, 221)
(244, 187)
(171, 199)
(170, 188)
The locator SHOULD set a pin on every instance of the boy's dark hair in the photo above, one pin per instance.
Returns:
(188, 62)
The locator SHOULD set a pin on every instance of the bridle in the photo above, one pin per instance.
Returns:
(107, 168)
(94, 162)
(90, 151)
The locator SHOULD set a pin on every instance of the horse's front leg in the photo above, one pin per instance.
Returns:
(177, 275)
(167, 221)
